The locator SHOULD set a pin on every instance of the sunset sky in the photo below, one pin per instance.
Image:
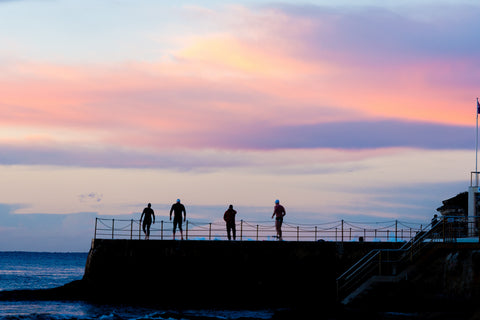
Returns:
(361, 110)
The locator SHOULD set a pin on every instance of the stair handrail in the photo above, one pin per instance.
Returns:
(424, 234)
(360, 264)
(366, 262)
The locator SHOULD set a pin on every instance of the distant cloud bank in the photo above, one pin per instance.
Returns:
(341, 135)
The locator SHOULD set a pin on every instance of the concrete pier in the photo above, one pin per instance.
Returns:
(220, 273)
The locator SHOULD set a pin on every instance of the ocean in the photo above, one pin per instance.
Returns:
(43, 270)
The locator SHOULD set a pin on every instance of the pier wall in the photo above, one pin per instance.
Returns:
(444, 281)
(249, 273)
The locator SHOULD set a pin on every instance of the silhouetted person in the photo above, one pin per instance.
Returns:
(177, 209)
(229, 217)
(278, 213)
(148, 213)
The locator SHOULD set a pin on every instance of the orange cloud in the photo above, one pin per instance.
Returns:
(225, 55)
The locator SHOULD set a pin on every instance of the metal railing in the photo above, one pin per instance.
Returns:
(342, 231)
(392, 261)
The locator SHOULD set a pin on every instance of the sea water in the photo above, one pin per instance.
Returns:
(43, 270)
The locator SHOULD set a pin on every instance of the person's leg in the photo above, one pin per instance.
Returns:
(228, 232)
(278, 226)
(280, 230)
(181, 230)
(174, 227)
(144, 228)
(234, 231)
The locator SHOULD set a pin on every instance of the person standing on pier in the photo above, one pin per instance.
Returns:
(177, 209)
(278, 213)
(229, 218)
(148, 213)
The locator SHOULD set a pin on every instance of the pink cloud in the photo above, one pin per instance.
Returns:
(298, 69)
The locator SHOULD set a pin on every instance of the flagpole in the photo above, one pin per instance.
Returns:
(476, 140)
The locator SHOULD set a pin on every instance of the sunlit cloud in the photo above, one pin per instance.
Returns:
(311, 75)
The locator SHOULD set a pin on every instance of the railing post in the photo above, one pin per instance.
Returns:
(161, 230)
(241, 230)
(315, 233)
(186, 230)
(396, 230)
(113, 227)
(298, 233)
(350, 235)
(140, 229)
(342, 230)
(95, 234)
(210, 231)
(131, 229)
(257, 232)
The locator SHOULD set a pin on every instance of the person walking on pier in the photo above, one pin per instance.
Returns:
(177, 209)
(278, 213)
(148, 213)
(229, 217)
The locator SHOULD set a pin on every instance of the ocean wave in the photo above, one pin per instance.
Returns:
(55, 310)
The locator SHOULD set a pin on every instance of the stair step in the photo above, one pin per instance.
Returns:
(367, 286)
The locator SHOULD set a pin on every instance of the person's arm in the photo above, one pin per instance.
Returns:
(171, 209)
(153, 214)
(184, 214)
(284, 212)
(141, 217)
